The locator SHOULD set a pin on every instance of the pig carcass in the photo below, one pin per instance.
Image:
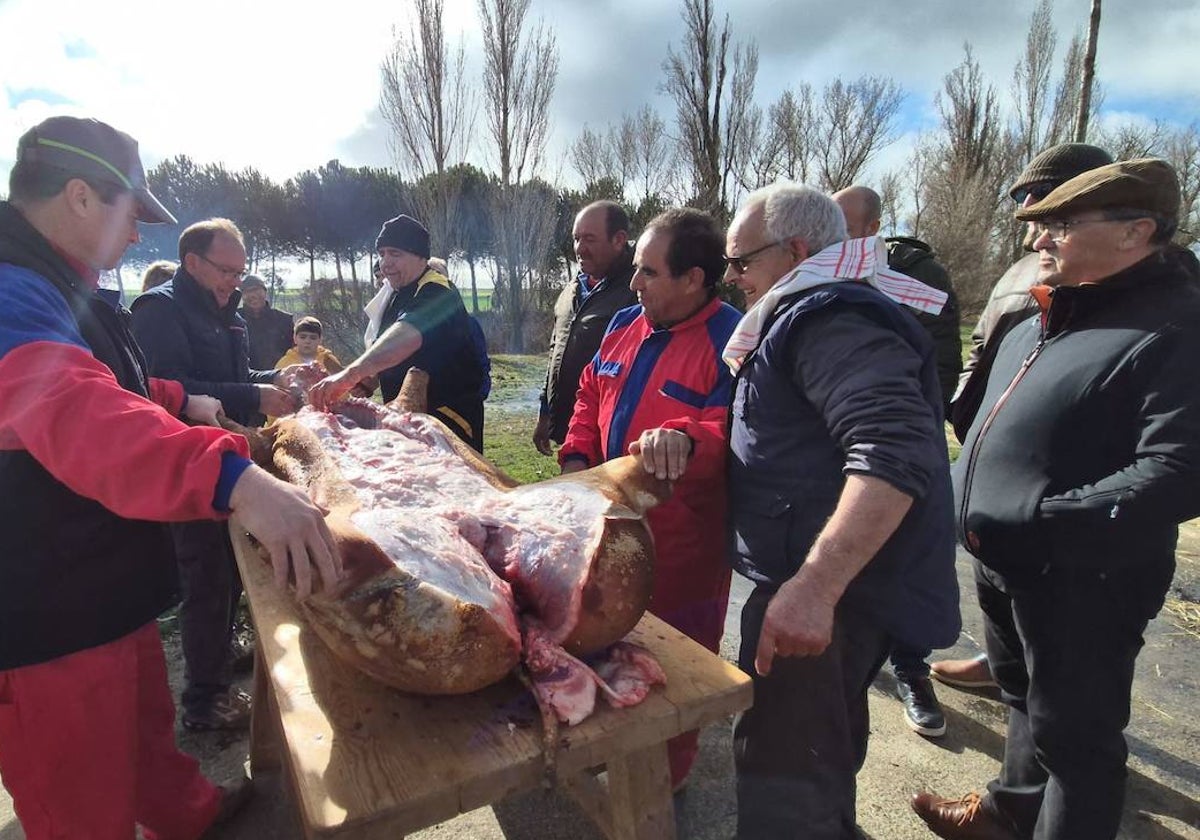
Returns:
(452, 569)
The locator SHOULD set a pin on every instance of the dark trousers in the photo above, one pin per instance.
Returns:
(797, 750)
(210, 587)
(1062, 647)
(910, 663)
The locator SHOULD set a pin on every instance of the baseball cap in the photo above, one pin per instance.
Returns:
(94, 150)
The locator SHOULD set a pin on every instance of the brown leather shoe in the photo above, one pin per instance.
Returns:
(959, 819)
(964, 673)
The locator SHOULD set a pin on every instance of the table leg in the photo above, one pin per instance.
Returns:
(639, 785)
(264, 721)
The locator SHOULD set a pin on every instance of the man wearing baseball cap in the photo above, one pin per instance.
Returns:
(416, 321)
(93, 458)
(1082, 460)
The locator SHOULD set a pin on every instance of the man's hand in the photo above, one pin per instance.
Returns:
(330, 390)
(292, 529)
(664, 452)
(541, 435)
(798, 622)
(274, 401)
(202, 409)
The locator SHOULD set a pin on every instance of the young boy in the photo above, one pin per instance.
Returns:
(307, 334)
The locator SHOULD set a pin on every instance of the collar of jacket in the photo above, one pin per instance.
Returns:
(1062, 304)
(191, 293)
(696, 319)
(620, 266)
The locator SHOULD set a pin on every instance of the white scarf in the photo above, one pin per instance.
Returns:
(374, 310)
(852, 259)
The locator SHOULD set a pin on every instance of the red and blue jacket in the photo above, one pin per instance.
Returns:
(90, 462)
(645, 377)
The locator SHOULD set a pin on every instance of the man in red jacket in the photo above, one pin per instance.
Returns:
(658, 387)
(92, 461)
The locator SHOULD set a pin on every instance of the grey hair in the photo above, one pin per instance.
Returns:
(798, 210)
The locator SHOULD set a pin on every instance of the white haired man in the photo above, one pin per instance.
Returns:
(840, 501)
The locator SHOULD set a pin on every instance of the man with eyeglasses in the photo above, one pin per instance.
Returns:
(839, 497)
(1082, 460)
(1008, 305)
(190, 330)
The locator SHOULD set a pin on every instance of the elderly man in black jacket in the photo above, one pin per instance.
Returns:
(190, 330)
(1083, 458)
(840, 502)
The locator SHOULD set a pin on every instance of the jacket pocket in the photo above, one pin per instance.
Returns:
(773, 532)
(682, 393)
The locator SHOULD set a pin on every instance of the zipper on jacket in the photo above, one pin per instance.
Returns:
(983, 430)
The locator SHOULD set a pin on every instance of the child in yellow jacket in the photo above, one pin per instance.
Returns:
(308, 347)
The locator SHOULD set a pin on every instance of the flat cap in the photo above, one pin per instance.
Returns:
(1145, 184)
(252, 281)
(1058, 164)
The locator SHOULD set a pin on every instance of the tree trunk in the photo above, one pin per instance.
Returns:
(1089, 73)
(474, 288)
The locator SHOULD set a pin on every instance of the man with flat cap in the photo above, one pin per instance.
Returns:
(268, 329)
(423, 324)
(93, 459)
(1082, 460)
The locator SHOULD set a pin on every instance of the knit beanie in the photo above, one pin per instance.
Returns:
(1059, 164)
(405, 233)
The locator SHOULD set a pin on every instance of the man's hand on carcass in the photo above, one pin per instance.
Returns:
(541, 435)
(290, 526)
(299, 375)
(274, 401)
(330, 390)
(202, 409)
(663, 452)
(798, 622)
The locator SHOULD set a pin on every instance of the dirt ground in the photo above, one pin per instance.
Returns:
(1163, 736)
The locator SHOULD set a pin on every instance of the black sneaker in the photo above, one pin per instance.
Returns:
(922, 711)
(229, 711)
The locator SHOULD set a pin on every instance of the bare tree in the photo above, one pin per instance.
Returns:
(707, 101)
(890, 187)
(622, 148)
(855, 123)
(425, 99)
(1181, 149)
(591, 156)
(1089, 72)
(520, 73)
(1066, 97)
(519, 76)
(1031, 80)
(1127, 140)
(654, 166)
(424, 96)
(968, 170)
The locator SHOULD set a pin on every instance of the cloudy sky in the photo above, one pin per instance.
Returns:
(288, 86)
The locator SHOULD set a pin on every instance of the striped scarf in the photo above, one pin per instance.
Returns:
(852, 259)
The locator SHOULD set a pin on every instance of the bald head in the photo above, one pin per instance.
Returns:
(863, 209)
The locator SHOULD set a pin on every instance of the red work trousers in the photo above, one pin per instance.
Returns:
(87, 747)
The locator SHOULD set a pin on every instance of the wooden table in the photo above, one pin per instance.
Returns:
(366, 761)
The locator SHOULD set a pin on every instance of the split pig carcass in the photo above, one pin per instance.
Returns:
(454, 573)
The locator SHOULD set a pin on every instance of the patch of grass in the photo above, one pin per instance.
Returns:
(508, 443)
(516, 379)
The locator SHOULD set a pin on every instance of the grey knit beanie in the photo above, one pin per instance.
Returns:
(1059, 164)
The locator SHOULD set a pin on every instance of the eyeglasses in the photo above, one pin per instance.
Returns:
(231, 273)
(742, 263)
(1039, 191)
(1058, 229)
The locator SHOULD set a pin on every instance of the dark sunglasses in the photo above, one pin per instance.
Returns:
(1038, 191)
(741, 263)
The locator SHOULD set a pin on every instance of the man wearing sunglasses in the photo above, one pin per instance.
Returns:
(839, 497)
(190, 330)
(1082, 460)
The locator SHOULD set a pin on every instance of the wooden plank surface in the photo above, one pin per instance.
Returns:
(362, 752)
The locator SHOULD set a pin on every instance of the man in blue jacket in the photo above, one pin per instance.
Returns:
(840, 501)
(190, 330)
